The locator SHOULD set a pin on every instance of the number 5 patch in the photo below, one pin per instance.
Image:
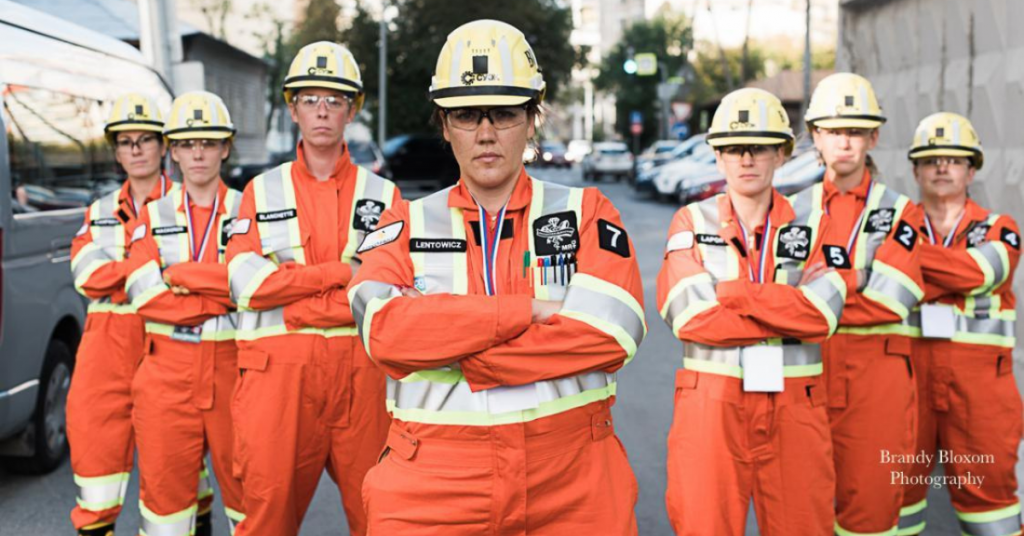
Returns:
(836, 257)
(906, 235)
(613, 238)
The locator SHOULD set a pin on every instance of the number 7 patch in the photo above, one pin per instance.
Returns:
(612, 238)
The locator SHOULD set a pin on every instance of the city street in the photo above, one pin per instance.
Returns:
(40, 505)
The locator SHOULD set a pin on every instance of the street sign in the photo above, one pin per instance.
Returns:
(681, 131)
(646, 64)
(636, 117)
(636, 129)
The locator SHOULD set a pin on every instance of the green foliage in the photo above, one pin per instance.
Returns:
(415, 38)
(711, 80)
(668, 36)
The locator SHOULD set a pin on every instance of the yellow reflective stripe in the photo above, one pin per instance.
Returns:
(460, 266)
(840, 531)
(861, 249)
(245, 298)
(986, 270)
(625, 341)
(149, 269)
(681, 286)
(115, 308)
(836, 281)
(612, 329)
(273, 331)
(906, 282)
(207, 335)
(991, 340)
(473, 418)
(375, 304)
(601, 286)
(294, 233)
(575, 203)
(101, 492)
(234, 515)
(693, 309)
(881, 329)
(735, 371)
(357, 193)
(536, 208)
(450, 377)
(417, 226)
(991, 515)
(179, 523)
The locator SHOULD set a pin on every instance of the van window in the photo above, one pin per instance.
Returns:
(58, 156)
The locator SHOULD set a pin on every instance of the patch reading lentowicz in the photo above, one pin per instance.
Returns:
(279, 215)
(384, 235)
(437, 245)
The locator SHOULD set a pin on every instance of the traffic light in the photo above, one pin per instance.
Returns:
(629, 66)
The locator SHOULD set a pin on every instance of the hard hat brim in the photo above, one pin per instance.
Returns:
(460, 97)
(724, 139)
(866, 121)
(135, 124)
(947, 150)
(209, 133)
(325, 82)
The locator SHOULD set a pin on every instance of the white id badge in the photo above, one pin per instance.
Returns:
(518, 398)
(190, 334)
(762, 368)
(937, 321)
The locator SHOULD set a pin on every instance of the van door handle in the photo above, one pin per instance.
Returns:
(60, 250)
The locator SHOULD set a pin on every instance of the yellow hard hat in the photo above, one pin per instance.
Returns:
(946, 134)
(486, 63)
(844, 100)
(750, 116)
(325, 65)
(199, 115)
(133, 111)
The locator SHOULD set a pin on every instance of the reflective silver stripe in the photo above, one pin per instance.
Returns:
(110, 238)
(143, 281)
(442, 396)
(975, 325)
(990, 252)
(983, 306)
(368, 186)
(178, 524)
(828, 292)
(887, 286)
(699, 291)
(232, 202)
(103, 492)
(275, 236)
(242, 272)
(88, 259)
(793, 355)
(364, 293)
(606, 308)
(163, 213)
(887, 199)
(555, 198)
(437, 274)
(1001, 527)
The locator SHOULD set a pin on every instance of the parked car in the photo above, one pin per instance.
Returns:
(658, 153)
(673, 178)
(681, 150)
(365, 153)
(424, 161)
(577, 150)
(797, 173)
(552, 153)
(57, 81)
(608, 158)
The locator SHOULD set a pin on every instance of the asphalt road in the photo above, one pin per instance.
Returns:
(40, 505)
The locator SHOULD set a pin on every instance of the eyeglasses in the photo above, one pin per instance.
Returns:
(501, 118)
(944, 161)
(312, 102)
(202, 145)
(734, 153)
(848, 132)
(146, 141)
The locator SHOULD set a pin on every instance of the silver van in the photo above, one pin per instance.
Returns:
(57, 81)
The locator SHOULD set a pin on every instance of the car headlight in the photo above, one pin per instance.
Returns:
(547, 157)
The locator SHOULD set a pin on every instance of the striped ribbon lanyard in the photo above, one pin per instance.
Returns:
(949, 238)
(490, 249)
(765, 235)
(198, 255)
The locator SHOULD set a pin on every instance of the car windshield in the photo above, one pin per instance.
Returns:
(361, 152)
(552, 146)
(393, 144)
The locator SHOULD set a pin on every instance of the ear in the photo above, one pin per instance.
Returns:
(225, 150)
(719, 163)
(174, 156)
(970, 175)
(917, 173)
(293, 112)
(444, 129)
(531, 126)
(873, 139)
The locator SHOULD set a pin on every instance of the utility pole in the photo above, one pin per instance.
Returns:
(807, 62)
(159, 38)
(382, 77)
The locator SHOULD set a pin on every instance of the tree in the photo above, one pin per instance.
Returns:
(277, 53)
(216, 14)
(418, 33)
(667, 35)
(712, 81)
(320, 23)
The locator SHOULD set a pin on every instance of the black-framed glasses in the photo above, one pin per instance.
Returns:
(145, 141)
(501, 117)
(734, 153)
(309, 101)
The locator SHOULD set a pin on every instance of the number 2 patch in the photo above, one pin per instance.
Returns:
(906, 235)
(836, 257)
(613, 238)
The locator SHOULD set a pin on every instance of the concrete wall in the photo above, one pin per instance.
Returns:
(964, 56)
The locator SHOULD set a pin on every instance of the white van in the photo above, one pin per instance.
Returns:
(57, 81)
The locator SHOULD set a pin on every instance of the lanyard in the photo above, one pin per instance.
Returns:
(765, 235)
(490, 249)
(949, 238)
(197, 256)
(860, 220)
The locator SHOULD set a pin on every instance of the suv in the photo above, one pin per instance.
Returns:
(608, 158)
(54, 161)
(422, 159)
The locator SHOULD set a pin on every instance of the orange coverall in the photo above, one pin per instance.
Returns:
(968, 402)
(727, 445)
(872, 401)
(305, 400)
(557, 474)
(183, 389)
(100, 403)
